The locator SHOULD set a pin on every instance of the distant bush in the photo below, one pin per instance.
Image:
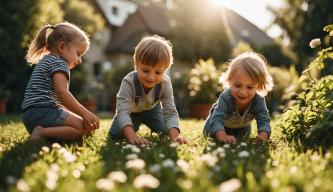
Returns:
(285, 81)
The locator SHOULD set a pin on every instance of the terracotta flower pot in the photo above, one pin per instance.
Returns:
(199, 111)
(89, 104)
(3, 104)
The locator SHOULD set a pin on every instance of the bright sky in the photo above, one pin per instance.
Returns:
(255, 11)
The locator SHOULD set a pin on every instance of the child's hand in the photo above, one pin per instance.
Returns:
(132, 137)
(91, 122)
(263, 136)
(230, 139)
(180, 140)
(138, 141)
(174, 136)
(221, 136)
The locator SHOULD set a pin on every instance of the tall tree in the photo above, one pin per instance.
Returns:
(301, 21)
(197, 31)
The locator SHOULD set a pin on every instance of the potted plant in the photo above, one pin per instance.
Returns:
(4, 95)
(87, 100)
(203, 88)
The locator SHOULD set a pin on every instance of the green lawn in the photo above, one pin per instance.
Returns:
(91, 164)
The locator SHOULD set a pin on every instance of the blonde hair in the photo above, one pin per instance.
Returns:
(48, 37)
(255, 66)
(153, 50)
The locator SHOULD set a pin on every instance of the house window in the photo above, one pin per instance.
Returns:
(97, 69)
(114, 10)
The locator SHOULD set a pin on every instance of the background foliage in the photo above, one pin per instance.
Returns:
(309, 120)
(301, 21)
(19, 21)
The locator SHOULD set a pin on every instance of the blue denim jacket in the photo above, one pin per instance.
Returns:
(226, 107)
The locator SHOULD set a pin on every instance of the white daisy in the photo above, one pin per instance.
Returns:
(104, 184)
(117, 176)
(137, 164)
(146, 181)
(230, 185)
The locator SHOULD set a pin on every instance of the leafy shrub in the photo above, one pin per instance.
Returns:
(310, 119)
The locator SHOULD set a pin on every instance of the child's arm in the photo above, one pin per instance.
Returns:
(174, 136)
(91, 121)
(221, 136)
(263, 120)
(132, 137)
(216, 124)
(170, 114)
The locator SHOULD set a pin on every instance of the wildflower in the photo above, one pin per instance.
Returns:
(69, 157)
(156, 168)
(56, 145)
(186, 184)
(52, 177)
(104, 184)
(243, 144)
(173, 145)
(209, 159)
(168, 163)
(146, 181)
(230, 185)
(135, 164)
(62, 150)
(81, 167)
(117, 176)
(131, 156)
(45, 149)
(10, 179)
(183, 165)
(161, 155)
(315, 157)
(128, 146)
(135, 149)
(327, 155)
(243, 154)
(275, 183)
(293, 169)
(315, 43)
(54, 167)
(226, 146)
(76, 173)
(22, 185)
(316, 182)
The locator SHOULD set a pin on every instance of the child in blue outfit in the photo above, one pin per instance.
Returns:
(49, 109)
(247, 81)
(143, 91)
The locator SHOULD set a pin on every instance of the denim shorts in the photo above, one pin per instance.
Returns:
(152, 118)
(44, 116)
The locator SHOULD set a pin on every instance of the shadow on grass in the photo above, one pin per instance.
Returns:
(156, 156)
(13, 162)
(245, 160)
(9, 118)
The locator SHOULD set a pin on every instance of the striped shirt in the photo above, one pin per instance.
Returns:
(40, 91)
